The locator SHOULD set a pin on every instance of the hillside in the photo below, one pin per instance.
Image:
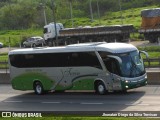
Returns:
(20, 19)
(24, 14)
(130, 16)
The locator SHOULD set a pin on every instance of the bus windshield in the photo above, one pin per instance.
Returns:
(132, 64)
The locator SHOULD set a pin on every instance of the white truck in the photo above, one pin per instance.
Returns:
(65, 36)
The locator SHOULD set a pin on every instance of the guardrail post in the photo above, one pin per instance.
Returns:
(159, 61)
(149, 64)
(6, 66)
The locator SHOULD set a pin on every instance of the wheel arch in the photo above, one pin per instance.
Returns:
(36, 80)
(96, 81)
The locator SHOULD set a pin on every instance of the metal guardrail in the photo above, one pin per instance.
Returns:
(151, 63)
(3, 64)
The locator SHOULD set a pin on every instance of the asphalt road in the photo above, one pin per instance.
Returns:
(141, 99)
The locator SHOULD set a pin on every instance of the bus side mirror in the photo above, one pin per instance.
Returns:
(144, 53)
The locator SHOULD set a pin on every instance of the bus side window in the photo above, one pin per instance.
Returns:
(84, 59)
(110, 63)
(112, 66)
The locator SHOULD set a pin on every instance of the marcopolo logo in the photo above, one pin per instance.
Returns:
(6, 114)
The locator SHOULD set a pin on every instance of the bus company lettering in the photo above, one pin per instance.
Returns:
(70, 72)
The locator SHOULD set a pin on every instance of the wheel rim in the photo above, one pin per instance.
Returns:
(50, 44)
(38, 89)
(101, 89)
(34, 45)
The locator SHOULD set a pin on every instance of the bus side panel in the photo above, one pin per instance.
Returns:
(78, 84)
(83, 84)
(25, 81)
(78, 78)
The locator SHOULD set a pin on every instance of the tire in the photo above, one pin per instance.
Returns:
(50, 44)
(38, 88)
(100, 88)
(24, 46)
(34, 45)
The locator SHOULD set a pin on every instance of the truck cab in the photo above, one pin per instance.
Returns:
(50, 32)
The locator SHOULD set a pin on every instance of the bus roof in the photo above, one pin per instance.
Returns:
(98, 46)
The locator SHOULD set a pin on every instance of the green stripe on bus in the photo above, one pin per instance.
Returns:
(25, 81)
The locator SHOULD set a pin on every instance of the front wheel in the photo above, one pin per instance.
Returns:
(38, 88)
(100, 88)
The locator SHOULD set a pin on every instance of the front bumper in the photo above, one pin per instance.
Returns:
(130, 84)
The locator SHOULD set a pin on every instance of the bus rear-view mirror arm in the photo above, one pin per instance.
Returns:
(116, 57)
(144, 52)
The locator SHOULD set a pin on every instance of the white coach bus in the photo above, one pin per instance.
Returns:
(103, 67)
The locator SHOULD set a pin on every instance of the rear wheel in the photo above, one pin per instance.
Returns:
(34, 45)
(100, 88)
(50, 43)
(24, 46)
(38, 88)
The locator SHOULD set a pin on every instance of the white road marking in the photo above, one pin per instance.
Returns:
(50, 102)
(12, 101)
(92, 103)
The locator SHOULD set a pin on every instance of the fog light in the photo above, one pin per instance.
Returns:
(126, 86)
(146, 82)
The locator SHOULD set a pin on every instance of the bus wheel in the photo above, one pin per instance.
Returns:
(38, 88)
(34, 45)
(100, 88)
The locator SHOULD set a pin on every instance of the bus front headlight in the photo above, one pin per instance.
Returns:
(126, 81)
(126, 86)
(146, 77)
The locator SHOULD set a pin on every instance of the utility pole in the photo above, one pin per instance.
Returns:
(54, 20)
(120, 11)
(44, 12)
(91, 12)
(70, 3)
(98, 12)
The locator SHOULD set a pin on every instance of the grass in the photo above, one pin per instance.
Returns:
(130, 16)
(150, 48)
(15, 37)
(153, 52)
(4, 57)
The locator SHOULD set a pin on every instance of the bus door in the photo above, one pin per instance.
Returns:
(112, 65)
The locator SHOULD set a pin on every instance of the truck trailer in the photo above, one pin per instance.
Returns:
(58, 35)
(150, 26)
